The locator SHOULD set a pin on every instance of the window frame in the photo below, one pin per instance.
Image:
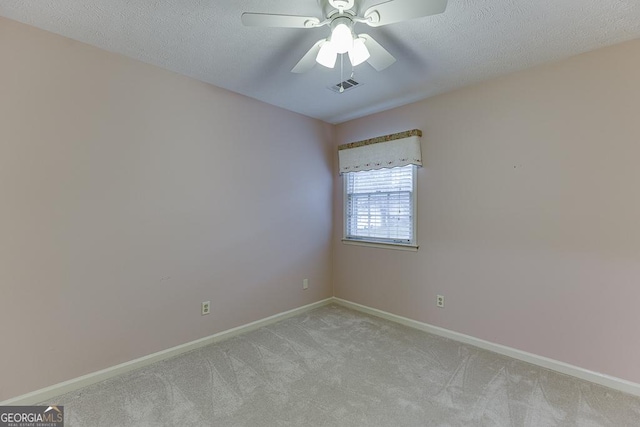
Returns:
(377, 242)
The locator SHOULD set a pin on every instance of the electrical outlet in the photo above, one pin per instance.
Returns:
(305, 284)
(206, 307)
(440, 301)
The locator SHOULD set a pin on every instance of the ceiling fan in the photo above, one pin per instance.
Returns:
(341, 16)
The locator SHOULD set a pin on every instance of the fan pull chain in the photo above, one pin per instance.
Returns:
(342, 73)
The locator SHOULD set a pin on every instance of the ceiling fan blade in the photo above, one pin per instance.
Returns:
(402, 10)
(308, 60)
(380, 58)
(283, 21)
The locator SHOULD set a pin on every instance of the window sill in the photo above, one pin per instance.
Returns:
(394, 246)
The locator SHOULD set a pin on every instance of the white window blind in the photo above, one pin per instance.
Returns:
(379, 205)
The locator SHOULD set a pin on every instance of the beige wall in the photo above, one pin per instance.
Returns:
(129, 195)
(529, 210)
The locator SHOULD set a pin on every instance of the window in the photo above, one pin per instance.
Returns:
(380, 206)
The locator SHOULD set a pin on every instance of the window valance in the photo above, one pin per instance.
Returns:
(389, 151)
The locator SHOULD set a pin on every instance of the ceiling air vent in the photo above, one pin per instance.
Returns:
(346, 85)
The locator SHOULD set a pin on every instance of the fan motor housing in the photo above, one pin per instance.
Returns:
(342, 4)
(330, 7)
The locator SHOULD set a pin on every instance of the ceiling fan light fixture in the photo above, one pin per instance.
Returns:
(341, 16)
(359, 52)
(341, 35)
(327, 55)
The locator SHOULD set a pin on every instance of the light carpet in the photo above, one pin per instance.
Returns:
(336, 367)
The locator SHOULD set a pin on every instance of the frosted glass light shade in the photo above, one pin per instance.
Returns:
(359, 52)
(341, 38)
(327, 55)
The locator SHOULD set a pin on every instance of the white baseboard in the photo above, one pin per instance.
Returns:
(95, 377)
(545, 362)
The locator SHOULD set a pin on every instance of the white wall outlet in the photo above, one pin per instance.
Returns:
(440, 301)
(206, 307)
(305, 284)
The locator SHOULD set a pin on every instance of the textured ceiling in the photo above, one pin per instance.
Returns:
(472, 41)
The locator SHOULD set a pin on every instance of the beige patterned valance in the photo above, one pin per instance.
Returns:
(389, 151)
